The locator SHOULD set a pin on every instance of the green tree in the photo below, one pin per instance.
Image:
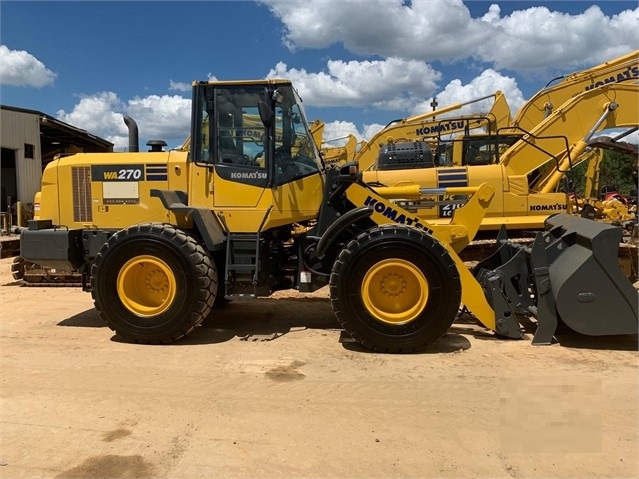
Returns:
(616, 170)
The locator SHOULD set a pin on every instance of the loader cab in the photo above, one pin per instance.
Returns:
(254, 133)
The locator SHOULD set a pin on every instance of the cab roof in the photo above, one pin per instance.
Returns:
(269, 81)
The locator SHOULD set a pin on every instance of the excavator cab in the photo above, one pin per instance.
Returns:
(476, 149)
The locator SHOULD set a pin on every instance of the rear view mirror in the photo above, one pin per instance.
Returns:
(266, 114)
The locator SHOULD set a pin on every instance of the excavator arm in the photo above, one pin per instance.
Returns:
(545, 101)
(563, 136)
(342, 154)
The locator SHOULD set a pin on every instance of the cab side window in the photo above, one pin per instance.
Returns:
(240, 138)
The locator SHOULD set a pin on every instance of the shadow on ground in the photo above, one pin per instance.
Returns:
(268, 319)
(85, 319)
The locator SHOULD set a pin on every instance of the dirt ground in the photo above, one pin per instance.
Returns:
(267, 390)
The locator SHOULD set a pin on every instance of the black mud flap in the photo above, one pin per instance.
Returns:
(570, 274)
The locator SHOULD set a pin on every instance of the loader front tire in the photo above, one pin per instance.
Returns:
(153, 283)
(395, 289)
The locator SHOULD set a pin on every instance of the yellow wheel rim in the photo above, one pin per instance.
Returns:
(146, 286)
(394, 291)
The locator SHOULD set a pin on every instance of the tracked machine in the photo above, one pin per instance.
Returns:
(527, 174)
(403, 142)
(162, 238)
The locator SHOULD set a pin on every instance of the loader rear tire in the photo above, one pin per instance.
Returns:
(153, 283)
(395, 289)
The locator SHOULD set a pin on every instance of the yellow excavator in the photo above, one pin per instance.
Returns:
(160, 238)
(399, 143)
(528, 173)
(486, 149)
(520, 204)
(400, 139)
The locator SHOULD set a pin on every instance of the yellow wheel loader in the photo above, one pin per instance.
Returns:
(160, 238)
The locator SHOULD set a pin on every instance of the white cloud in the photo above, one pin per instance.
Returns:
(424, 30)
(538, 38)
(336, 132)
(161, 117)
(168, 117)
(371, 130)
(158, 117)
(485, 84)
(398, 83)
(534, 39)
(98, 114)
(19, 68)
(179, 86)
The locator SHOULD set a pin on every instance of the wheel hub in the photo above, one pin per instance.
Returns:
(157, 281)
(146, 286)
(394, 291)
(393, 285)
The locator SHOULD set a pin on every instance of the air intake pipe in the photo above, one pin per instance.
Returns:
(134, 141)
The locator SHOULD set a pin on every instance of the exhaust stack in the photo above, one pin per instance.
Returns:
(134, 141)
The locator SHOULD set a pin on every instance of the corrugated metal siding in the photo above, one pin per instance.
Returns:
(16, 129)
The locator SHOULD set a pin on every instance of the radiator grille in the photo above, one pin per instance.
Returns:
(81, 178)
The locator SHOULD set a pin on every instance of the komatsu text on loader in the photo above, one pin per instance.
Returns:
(160, 238)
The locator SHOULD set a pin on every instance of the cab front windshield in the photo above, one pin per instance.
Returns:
(234, 139)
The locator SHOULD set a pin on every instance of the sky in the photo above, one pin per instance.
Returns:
(357, 64)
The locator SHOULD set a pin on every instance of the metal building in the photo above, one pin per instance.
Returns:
(30, 139)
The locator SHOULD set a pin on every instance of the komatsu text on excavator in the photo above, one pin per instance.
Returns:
(161, 238)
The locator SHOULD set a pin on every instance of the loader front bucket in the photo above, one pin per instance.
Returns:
(591, 293)
(570, 274)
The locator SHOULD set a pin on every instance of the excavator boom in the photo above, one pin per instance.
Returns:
(546, 100)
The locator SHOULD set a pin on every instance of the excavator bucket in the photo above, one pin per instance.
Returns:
(570, 274)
